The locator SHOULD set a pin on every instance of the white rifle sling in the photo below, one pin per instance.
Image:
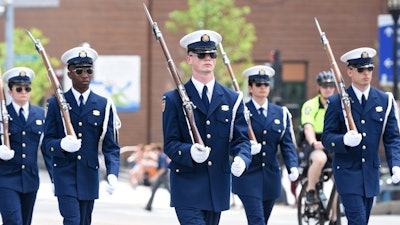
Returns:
(116, 121)
(286, 115)
(391, 102)
(234, 110)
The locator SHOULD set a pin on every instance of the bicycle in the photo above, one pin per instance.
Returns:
(320, 213)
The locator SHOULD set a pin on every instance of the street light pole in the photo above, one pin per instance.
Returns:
(394, 10)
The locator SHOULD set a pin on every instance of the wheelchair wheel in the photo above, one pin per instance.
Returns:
(308, 214)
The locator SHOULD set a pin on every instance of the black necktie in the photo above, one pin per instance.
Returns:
(204, 97)
(363, 101)
(81, 104)
(21, 115)
(262, 116)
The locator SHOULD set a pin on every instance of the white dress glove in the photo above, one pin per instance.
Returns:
(238, 166)
(396, 174)
(352, 138)
(255, 147)
(199, 153)
(6, 153)
(70, 143)
(112, 183)
(294, 174)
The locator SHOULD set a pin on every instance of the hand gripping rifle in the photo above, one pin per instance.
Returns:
(339, 81)
(62, 102)
(236, 87)
(4, 114)
(187, 104)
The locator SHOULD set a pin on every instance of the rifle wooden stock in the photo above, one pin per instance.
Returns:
(236, 87)
(4, 113)
(346, 103)
(187, 104)
(57, 89)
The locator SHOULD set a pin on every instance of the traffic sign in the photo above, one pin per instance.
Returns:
(386, 37)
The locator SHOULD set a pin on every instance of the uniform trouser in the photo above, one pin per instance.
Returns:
(75, 211)
(15, 207)
(257, 210)
(254, 210)
(191, 216)
(357, 208)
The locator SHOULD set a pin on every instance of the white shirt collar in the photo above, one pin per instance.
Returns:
(25, 107)
(199, 87)
(359, 93)
(77, 95)
(265, 105)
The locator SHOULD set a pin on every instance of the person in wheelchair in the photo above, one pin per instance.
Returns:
(312, 120)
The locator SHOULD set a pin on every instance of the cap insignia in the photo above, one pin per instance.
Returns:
(82, 54)
(22, 73)
(262, 72)
(205, 38)
(364, 55)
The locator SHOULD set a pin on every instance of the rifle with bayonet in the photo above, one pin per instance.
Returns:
(346, 103)
(236, 87)
(4, 114)
(57, 89)
(187, 104)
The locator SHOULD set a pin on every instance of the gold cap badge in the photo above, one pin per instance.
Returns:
(82, 54)
(205, 38)
(364, 55)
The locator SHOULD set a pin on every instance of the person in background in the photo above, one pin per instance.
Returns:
(312, 120)
(75, 159)
(19, 173)
(199, 174)
(162, 175)
(260, 185)
(356, 159)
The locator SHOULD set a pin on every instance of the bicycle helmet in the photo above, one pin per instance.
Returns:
(325, 77)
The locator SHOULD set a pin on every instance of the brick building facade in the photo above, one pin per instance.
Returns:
(121, 27)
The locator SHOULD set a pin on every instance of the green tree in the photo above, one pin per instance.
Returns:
(227, 19)
(23, 45)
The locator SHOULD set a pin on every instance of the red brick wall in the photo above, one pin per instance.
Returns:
(121, 27)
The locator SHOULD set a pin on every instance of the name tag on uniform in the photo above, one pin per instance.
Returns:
(225, 107)
(39, 122)
(96, 112)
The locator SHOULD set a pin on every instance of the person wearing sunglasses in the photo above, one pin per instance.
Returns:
(19, 180)
(200, 174)
(260, 186)
(312, 122)
(356, 160)
(75, 159)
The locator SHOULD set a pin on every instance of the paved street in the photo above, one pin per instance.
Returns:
(126, 206)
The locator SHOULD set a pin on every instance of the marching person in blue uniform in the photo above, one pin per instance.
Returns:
(356, 160)
(19, 173)
(75, 160)
(260, 185)
(200, 175)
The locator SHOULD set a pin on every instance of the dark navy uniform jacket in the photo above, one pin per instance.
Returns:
(76, 174)
(263, 177)
(206, 185)
(21, 172)
(356, 169)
